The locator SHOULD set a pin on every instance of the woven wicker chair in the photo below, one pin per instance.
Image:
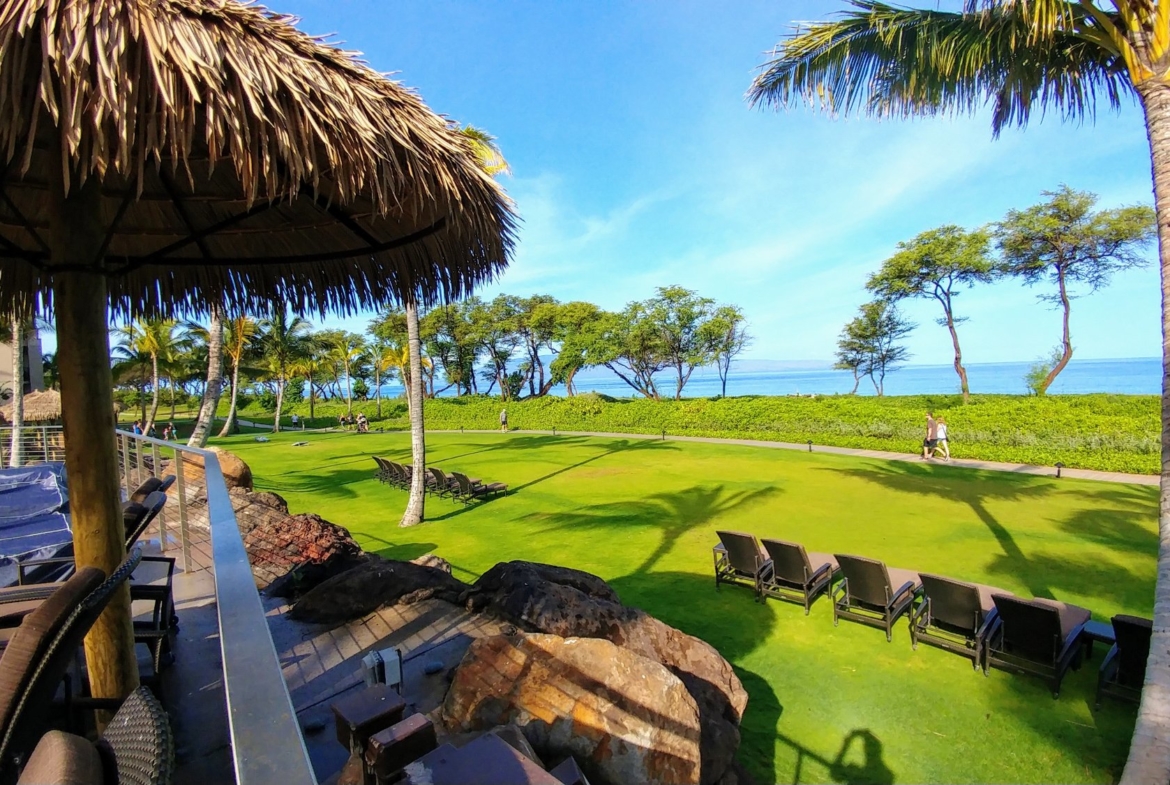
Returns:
(36, 660)
(137, 748)
(873, 593)
(954, 615)
(1042, 637)
(739, 558)
(150, 485)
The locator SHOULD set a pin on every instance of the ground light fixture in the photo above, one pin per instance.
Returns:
(1059, 466)
(810, 445)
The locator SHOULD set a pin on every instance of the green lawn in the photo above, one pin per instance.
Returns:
(827, 704)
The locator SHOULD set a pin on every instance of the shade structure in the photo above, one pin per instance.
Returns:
(161, 157)
(39, 406)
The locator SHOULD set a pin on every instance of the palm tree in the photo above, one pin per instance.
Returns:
(213, 339)
(1019, 56)
(344, 350)
(415, 505)
(383, 359)
(310, 367)
(238, 336)
(154, 338)
(283, 342)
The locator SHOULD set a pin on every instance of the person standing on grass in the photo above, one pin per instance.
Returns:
(294, 420)
(503, 419)
(940, 436)
(931, 440)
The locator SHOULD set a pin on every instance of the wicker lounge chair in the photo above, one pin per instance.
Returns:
(150, 485)
(1123, 672)
(137, 748)
(739, 558)
(953, 615)
(39, 655)
(1041, 637)
(471, 489)
(797, 575)
(383, 472)
(872, 593)
(441, 483)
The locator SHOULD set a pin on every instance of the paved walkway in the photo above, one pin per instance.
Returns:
(995, 466)
(962, 463)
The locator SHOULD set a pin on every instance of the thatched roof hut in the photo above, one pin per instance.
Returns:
(39, 407)
(240, 161)
(167, 156)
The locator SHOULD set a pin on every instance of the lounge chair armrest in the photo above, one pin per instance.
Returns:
(990, 621)
(31, 591)
(21, 567)
(908, 586)
(817, 573)
(921, 611)
(840, 589)
(1075, 639)
(1110, 665)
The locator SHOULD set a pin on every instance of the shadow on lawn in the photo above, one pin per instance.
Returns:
(333, 483)
(674, 513)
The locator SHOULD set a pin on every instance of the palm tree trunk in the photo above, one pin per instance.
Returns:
(229, 427)
(214, 387)
(14, 457)
(154, 399)
(171, 387)
(1066, 339)
(348, 390)
(415, 512)
(279, 403)
(1149, 752)
(378, 385)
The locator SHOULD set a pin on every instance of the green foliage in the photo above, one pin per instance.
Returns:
(1037, 376)
(869, 346)
(1103, 432)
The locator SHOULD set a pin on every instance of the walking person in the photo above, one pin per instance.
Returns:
(931, 440)
(503, 419)
(940, 435)
(138, 427)
(294, 420)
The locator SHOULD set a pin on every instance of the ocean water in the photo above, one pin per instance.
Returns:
(1140, 376)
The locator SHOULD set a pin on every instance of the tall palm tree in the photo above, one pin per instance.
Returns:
(239, 333)
(156, 339)
(383, 360)
(283, 340)
(214, 386)
(416, 504)
(1019, 56)
(310, 367)
(346, 348)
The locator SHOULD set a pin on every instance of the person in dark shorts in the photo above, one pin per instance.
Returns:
(504, 420)
(931, 440)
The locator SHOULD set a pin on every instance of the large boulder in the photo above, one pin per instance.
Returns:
(236, 473)
(540, 598)
(623, 717)
(372, 584)
(290, 554)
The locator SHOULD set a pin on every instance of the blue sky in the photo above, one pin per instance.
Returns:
(637, 163)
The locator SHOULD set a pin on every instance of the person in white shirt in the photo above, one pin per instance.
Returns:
(940, 435)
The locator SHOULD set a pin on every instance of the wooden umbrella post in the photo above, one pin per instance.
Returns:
(87, 414)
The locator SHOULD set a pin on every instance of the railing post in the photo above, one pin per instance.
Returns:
(162, 518)
(126, 464)
(44, 443)
(181, 485)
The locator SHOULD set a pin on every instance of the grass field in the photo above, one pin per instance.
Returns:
(826, 704)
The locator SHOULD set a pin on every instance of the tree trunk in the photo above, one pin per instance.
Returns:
(348, 390)
(280, 383)
(856, 382)
(171, 387)
(154, 397)
(1149, 752)
(1066, 339)
(229, 426)
(312, 398)
(214, 387)
(378, 385)
(569, 389)
(415, 512)
(14, 456)
(87, 414)
(959, 369)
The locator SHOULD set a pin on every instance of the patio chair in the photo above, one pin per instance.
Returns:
(872, 593)
(739, 558)
(383, 473)
(471, 489)
(1123, 672)
(137, 748)
(1040, 637)
(150, 485)
(797, 575)
(441, 483)
(38, 657)
(953, 615)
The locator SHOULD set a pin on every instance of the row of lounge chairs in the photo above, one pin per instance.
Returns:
(990, 625)
(456, 485)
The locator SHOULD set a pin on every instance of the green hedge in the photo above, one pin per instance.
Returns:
(1105, 432)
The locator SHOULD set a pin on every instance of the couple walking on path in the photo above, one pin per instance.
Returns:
(936, 438)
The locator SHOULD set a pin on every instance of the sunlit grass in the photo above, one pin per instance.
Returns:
(827, 704)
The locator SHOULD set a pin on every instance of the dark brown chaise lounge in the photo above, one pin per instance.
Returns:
(872, 593)
(739, 558)
(1124, 670)
(953, 615)
(471, 489)
(797, 575)
(1041, 637)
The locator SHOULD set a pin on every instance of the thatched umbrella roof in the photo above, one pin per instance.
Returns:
(39, 406)
(241, 161)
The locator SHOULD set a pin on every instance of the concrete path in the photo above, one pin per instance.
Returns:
(994, 466)
(962, 463)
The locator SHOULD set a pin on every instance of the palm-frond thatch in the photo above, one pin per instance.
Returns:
(240, 161)
(39, 406)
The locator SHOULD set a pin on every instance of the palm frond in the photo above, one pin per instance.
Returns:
(888, 61)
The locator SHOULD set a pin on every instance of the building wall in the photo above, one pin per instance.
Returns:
(33, 368)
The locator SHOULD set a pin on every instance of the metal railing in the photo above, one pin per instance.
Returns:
(267, 746)
(35, 443)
